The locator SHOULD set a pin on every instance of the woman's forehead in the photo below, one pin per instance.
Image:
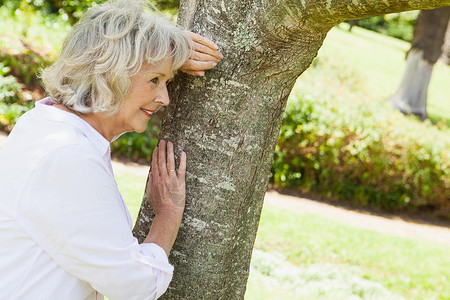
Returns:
(164, 67)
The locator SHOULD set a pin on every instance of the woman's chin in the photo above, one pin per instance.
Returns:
(140, 129)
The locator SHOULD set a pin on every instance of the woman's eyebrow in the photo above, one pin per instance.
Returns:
(162, 74)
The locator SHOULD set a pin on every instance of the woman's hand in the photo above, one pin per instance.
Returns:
(166, 194)
(166, 188)
(205, 56)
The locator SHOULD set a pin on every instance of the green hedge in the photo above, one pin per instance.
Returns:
(398, 25)
(12, 101)
(364, 153)
(138, 146)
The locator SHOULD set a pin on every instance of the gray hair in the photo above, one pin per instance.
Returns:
(105, 48)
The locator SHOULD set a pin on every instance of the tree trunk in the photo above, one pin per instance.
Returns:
(228, 123)
(352, 23)
(426, 48)
(445, 57)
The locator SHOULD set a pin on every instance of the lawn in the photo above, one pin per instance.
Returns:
(302, 256)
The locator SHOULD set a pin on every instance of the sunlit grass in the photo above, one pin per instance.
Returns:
(328, 258)
(132, 188)
(411, 268)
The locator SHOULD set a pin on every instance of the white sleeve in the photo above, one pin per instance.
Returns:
(72, 208)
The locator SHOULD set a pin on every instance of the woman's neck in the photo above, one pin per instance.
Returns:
(96, 121)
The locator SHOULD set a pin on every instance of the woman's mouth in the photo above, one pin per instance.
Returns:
(147, 112)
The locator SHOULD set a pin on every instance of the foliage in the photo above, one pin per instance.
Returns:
(13, 104)
(167, 4)
(25, 66)
(72, 10)
(9, 87)
(10, 113)
(363, 153)
(22, 55)
(351, 91)
(398, 25)
(138, 146)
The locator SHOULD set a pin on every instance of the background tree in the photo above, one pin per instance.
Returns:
(228, 124)
(426, 48)
(445, 57)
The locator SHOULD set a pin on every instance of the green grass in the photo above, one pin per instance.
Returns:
(411, 268)
(302, 256)
(365, 64)
(132, 188)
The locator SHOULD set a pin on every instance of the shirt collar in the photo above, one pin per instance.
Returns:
(55, 114)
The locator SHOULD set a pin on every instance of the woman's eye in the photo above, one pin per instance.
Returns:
(154, 80)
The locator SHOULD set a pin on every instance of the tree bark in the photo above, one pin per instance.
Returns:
(426, 48)
(228, 123)
(445, 57)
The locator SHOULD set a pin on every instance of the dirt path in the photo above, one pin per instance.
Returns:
(388, 224)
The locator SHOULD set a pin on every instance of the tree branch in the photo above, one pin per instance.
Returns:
(341, 10)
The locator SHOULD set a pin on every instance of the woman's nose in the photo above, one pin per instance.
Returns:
(163, 96)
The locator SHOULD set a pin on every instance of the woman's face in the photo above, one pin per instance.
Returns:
(147, 94)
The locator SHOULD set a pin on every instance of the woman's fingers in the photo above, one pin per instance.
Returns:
(182, 166)
(201, 48)
(162, 158)
(149, 183)
(194, 65)
(205, 56)
(198, 56)
(167, 189)
(155, 169)
(195, 73)
(202, 40)
(170, 159)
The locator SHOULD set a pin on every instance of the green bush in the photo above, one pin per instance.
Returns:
(10, 113)
(72, 10)
(364, 153)
(9, 87)
(25, 66)
(398, 25)
(138, 146)
(12, 104)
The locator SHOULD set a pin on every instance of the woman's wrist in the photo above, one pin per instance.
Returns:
(164, 229)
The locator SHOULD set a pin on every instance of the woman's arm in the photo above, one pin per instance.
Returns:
(166, 194)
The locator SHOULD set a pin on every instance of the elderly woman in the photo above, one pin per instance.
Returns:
(65, 232)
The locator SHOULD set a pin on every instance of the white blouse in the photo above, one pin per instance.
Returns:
(65, 232)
